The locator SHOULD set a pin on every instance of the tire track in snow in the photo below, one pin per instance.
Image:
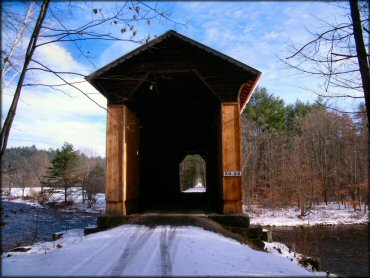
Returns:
(134, 244)
(164, 246)
(97, 253)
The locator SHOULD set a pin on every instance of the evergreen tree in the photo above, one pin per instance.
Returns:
(266, 110)
(63, 172)
(299, 110)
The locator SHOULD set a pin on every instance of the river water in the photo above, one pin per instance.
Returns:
(342, 249)
(25, 224)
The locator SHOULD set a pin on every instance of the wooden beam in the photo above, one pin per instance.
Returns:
(122, 179)
(130, 167)
(206, 84)
(249, 94)
(231, 158)
(114, 190)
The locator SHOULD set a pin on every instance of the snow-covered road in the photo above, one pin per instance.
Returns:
(140, 250)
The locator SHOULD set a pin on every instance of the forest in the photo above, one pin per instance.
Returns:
(303, 154)
(299, 154)
(53, 171)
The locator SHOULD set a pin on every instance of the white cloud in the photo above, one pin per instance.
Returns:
(57, 57)
(271, 35)
(47, 118)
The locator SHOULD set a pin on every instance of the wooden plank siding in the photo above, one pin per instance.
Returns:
(122, 175)
(231, 157)
(114, 189)
(131, 145)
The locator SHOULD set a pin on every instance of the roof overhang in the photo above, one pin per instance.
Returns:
(243, 95)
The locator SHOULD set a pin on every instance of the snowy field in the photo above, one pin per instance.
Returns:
(16, 196)
(138, 250)
(322, 214)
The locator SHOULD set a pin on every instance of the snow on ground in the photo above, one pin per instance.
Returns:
(140, 250)
(322, 214)
(197, 188)
(15, 195)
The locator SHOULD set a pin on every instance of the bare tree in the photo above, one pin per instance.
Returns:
(38, 165)
(51, 26)
(87, 163)
(320, 156)
(339, 56)
(95, 182)
(12, 54)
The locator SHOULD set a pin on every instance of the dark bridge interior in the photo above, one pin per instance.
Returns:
(178, 116)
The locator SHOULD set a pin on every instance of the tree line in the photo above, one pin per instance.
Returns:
(53, 171)
(303, 154)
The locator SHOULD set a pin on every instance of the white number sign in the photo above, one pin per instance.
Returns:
(233, 174)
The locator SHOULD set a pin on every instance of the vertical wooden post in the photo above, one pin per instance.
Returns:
(231, 157)
(122, 178)
(130, 167)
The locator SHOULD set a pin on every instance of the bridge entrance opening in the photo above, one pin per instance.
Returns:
(178, 116)
(193, 174)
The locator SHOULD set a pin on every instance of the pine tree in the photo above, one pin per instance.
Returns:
(267, 111)
(63, 172)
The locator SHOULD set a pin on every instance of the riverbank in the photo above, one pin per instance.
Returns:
(341, 249)
(55, 200)
(321, 214)
(24, 224)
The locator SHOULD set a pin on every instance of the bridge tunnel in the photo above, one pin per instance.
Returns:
(178, 116)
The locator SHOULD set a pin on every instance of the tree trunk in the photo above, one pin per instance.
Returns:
(364, 69)
(28, 57)
(325, 196)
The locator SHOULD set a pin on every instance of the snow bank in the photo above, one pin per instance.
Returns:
(15, 195)
(139, 250)
(322, 214)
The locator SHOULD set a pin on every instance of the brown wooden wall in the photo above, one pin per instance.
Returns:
(123, 144)
(231, 157)
(122, 180)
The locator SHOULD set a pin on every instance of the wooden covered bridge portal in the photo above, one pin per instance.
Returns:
(167, 99)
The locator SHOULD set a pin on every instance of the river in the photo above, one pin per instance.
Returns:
(25, 224)
(342, 249)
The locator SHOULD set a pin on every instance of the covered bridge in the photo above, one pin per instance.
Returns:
(167, 99)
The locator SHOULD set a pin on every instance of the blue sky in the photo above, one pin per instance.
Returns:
(255, 33)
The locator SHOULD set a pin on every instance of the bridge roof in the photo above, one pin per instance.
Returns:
(228, 79)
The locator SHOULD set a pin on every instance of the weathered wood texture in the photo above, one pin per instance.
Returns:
(231, 157)
(131, 145)
(171, 55)
(122, 180)
(114, 189)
